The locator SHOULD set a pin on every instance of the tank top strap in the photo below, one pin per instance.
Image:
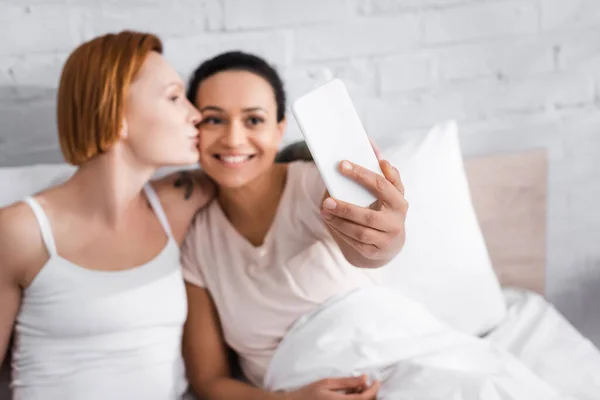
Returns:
(157, 207)
(44, 224)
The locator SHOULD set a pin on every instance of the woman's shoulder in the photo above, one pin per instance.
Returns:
(307, 181)
(21, 245)
(16, 221)
(183, 196)
(302, 166)
(300, 173)
(207, 228)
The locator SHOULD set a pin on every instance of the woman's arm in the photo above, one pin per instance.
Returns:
(17, 248)
(209, 373)
(10, 298)
(205, 354)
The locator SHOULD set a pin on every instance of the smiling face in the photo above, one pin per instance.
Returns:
(239, 133)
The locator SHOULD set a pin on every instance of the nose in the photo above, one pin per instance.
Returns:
(235, 135)
(194, 116)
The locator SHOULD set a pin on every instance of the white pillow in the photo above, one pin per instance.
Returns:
(445, 263)
(20, 182)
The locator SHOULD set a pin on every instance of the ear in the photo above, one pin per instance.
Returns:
(124, 130)
(281, 127)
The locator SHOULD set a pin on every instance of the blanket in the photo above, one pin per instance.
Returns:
(381, 333)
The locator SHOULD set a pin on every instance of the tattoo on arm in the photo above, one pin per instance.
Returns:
(185, 181)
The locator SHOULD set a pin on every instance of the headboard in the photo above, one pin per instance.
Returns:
(509, 194)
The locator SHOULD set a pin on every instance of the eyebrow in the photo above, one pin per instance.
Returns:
(251, 109)
(219, 109)
(212, 108)
(178, 84)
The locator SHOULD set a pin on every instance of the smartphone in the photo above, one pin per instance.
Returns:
(333, 132)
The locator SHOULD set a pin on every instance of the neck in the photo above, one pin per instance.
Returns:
(109, 185)
(256, 201)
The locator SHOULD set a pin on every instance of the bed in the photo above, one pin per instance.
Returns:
(509, 193)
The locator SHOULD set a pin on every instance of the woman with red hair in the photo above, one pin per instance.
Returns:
(90, 277)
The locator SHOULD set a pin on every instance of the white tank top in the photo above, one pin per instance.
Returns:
(89, 334)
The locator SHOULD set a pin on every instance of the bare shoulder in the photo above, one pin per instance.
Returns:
(182, 195)
(21, 245)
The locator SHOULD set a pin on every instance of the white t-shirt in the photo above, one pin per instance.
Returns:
(261, 291)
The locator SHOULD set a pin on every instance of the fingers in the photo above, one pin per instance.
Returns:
(377, 184)
(357, 232)
(359, 215)
(369, 394)
(391, 173)
(344, 383)
(367, 250)
(353, 388)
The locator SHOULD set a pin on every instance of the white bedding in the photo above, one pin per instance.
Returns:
(549, 345)
(541, 338)
(379, 332)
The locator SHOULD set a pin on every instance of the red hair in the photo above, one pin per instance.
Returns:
(92, 90)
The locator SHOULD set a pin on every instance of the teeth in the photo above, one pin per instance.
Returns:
(235, 159)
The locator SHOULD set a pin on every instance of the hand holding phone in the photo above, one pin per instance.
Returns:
(333, 132)
(368, 209)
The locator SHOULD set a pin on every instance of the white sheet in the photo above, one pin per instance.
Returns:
(549, 345)
(380, 332)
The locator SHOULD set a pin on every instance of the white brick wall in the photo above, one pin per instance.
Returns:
(244, 14)
(556, 15)
(480, 20)
(187, 52)
(357, 37)
(517, 74)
